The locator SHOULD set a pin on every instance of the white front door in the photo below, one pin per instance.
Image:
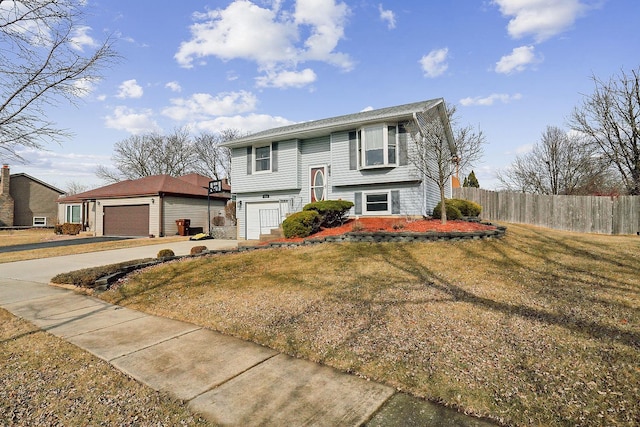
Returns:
(261, 217)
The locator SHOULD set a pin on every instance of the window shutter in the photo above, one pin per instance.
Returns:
(358, 203)
(249, 161)
(395, 202)
(353, 151)
(274, 157)
(403, 155)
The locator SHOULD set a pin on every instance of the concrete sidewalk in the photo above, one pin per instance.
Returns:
(227, 380)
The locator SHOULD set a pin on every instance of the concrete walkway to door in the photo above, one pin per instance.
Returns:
(227, 380)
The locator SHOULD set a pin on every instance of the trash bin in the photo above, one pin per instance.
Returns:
(183, 226)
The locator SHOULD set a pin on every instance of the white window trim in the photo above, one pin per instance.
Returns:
(326, 180)
(365, 211)
(44, 222)
(69, 218)
(362, 157)
(255, 159)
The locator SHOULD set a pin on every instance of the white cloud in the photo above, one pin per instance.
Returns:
(81, 38)
(388, 16)
(249, 123)
(174, 86)
(204, 105)
(541, 19)
(135, 122)
(286, 79)
(365, 109)
(130, 89)
(434, 63)
(490, 100)
(326, 20)
(269, 37)
(518, 60)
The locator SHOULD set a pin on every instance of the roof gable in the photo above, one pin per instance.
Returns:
(27, 176)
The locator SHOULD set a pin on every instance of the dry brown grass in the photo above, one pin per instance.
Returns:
(539, 328)
(21, 237)
(38, 385)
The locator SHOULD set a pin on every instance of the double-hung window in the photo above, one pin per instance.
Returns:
(377, 146)
(262, 157)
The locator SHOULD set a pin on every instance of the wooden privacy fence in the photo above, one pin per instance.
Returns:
(586, 214)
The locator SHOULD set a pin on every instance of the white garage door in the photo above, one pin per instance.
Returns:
(261, 218)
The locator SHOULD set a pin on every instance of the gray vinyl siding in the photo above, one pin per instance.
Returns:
(343, 175)
(313, 152)
(193, 209)
(411, 196)
(285, 178)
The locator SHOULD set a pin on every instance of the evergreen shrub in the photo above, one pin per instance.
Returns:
(333, 212)
(301, 224)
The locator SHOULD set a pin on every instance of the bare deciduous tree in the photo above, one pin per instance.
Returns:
(174, 154)
(561, 163)
(42, 64)
(214, 160)
(437, 147)
(151, 154)
(610, 117)
(75, 187)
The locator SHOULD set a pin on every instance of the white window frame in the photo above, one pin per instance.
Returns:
(326, 179)
(365, 203)
(39, 221)
(68, 214)
(255, 159)
(362, 146)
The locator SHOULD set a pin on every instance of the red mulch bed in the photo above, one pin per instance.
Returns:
(397, 225)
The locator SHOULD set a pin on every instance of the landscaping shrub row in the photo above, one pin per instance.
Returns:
(457, 208)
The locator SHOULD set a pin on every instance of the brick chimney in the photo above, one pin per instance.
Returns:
(6, 201)
(5, 179)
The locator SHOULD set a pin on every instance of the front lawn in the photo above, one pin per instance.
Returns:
(541, 327)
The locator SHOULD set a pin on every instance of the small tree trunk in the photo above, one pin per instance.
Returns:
(443, 208)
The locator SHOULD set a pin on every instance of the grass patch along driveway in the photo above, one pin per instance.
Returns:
(43, 235)
(541, 327)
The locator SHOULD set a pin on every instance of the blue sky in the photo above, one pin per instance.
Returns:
(511, 67)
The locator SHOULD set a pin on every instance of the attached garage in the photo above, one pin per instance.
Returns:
(132, 220)
(261, 217)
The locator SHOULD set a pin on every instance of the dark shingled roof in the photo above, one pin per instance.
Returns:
(346, 122)
(192, 185)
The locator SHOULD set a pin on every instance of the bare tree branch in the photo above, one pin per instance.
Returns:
(41, 65)
(610, 118)
(437, 147)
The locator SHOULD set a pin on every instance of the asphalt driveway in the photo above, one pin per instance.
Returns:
(58, 243)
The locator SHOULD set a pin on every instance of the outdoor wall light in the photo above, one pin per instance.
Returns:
(240, 204)
(153, 200)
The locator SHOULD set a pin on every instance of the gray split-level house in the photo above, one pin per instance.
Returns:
(362, 157)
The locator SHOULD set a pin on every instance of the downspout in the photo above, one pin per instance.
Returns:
(161, 214)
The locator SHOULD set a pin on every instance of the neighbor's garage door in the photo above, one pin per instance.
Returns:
(261, 218)
(126, 220)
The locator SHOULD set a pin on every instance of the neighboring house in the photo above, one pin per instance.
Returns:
(362, 157)
(26, 201)
(147, 206)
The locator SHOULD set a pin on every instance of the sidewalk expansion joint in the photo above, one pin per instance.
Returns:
(235, 376)
(181, 334)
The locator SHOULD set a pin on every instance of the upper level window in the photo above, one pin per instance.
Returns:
(377, 145)
(262, 157)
